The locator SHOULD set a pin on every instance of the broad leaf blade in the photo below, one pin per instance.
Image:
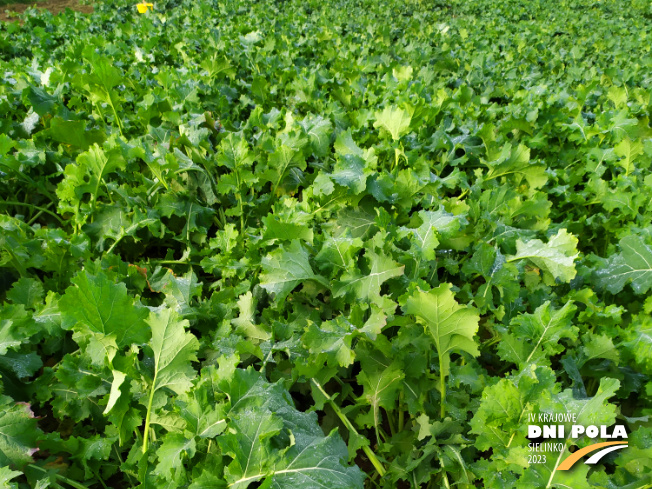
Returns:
(284, 269)
(263, 419)
(533, 338)
(367, 285)
(555, 258)
(452, 327)
(633, 265)
(174, 349)
(394, 120)
(18, 433)
(94, 305)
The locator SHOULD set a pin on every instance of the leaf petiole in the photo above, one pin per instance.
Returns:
(370, 454)
(149, 413)
(442, 385)
(70, 482)
(35, 207)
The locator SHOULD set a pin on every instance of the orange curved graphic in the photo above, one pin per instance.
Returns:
(574, 457)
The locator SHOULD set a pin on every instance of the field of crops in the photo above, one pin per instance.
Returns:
(335, 244)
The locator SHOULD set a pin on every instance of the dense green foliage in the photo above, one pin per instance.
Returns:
(337, 243)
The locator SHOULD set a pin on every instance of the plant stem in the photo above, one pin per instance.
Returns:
(117, 240)
(99, 478)
(370, 454)
(269, 355)
(99, 111)
(173, 262)
(442, 384)
(554, 470)
(148, 416)
(34, 218)
(22, 271)
(70, 482)
(115, 113)
(401, 413)
(444, 475)
(35, 207)
(518, 423)
(129, 474)
(392, 430)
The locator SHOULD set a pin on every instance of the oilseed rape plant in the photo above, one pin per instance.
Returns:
(351, 244)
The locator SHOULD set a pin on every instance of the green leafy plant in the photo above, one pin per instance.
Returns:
(362, 245)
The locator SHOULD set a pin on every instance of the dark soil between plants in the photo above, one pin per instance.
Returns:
(10, 12)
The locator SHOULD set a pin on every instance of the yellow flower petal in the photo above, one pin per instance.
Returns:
(142, 7)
